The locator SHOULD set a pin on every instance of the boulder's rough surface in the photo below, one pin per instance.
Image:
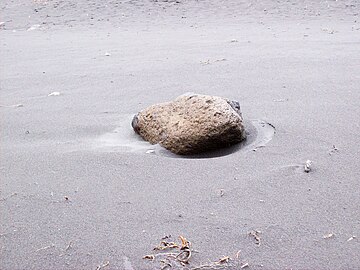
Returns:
(191, 124)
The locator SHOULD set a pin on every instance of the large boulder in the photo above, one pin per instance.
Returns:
(191, 124)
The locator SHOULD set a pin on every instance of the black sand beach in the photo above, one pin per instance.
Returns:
(78, 190)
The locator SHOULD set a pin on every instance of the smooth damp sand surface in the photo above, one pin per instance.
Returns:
(74, 197)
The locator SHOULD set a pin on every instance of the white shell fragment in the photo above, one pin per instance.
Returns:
(307, 167)
(327, 236)
(54, 94)
(351, 238)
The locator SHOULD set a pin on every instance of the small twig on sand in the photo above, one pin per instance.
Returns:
(224, 259)
(149, 257)
(220, 60)
(12, 106)
(44, 248)
(351, 238)
(153, 256)
(185, 251)
(237, 256)
(222, 263)
(244, 265)
(165, 245)
(66, 249)
(103, 265)
(166, 263)
(208, 62)
(68, 246)
(222, 192)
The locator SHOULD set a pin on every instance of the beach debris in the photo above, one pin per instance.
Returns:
(166, 263)
(181, 258)
(224, 259)
(66, 249)
(107, 54)
(68, 246)
(333, 150)
(329, 235)
(307, 166)
(151, 151)
(351, 238)
(149, 257)
(66, 198)
(185, 251)
(244, 265)
(256, 235)
(166, 237)
(165, 245)
(101, 266)
(208, 62)
(54, 94)
(45, 248)
(223, 263)
(237, 255)
(234, 40)
(191, 124)
(12, 106)
(222, 192)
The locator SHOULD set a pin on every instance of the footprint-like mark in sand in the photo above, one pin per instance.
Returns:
(124, 139)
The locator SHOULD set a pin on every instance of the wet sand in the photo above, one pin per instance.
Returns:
(68, 201)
